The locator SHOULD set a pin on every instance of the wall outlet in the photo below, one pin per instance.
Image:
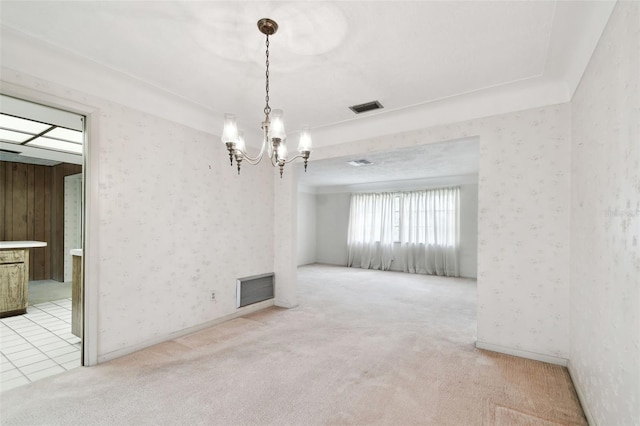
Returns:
(212, 297)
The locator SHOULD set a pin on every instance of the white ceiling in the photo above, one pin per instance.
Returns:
(453, 160)
(427, 62)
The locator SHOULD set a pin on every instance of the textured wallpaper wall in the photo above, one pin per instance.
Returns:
(468, 255)
(605, 225)
(523, 222)
(177, 222)
(332, 227)
(72, 220)
(306, 228)
(173, 227)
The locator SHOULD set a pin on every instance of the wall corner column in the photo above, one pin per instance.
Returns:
(285, 238)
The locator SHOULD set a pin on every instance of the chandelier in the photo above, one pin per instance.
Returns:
(274, 140)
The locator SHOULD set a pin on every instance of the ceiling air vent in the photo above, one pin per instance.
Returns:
(359, 163)
(369, 106)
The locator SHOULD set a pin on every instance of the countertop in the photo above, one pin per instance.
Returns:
(7, 245)
(75, 252)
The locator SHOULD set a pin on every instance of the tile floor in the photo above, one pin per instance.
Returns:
(37, 344)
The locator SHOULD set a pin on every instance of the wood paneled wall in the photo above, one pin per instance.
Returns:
(32, 208)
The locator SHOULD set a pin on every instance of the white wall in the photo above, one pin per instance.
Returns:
(175, 220)
(285, 231)
(306, 228)
(332, 226)
(605, 226)
(468, 254)
(72, 220)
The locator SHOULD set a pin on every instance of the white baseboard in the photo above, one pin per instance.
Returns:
(580, 392)
(522, 353)
(176, 334)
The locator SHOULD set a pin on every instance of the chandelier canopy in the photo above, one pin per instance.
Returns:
(274, 140)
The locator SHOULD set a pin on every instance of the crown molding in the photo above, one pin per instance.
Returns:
(48, 62)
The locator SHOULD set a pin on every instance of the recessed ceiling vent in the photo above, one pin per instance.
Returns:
(369, 106)
(360, 163)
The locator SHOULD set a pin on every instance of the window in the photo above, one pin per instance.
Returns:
(430, 217)
(418, 217)
(424, 223)
(426, 217)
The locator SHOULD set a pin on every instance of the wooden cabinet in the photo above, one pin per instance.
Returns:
(76, 293)
(14, 282)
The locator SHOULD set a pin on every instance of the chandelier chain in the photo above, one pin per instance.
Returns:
(267, 108)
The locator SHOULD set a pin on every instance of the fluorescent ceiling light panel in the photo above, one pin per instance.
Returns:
(22, 125)
(56, 145)
(13, 137)
(65, 134)
(40, 113)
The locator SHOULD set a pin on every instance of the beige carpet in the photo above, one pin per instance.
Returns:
(364, 347)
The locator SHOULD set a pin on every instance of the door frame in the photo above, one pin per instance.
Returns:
(90, 171)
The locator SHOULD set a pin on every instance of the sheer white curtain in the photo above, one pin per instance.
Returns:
(370, 237)
(429, 231)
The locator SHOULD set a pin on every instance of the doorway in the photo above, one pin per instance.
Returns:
(41, 179)
(324, 194)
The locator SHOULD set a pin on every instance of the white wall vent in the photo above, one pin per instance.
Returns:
(255, 289)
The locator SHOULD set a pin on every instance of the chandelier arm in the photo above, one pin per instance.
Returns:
(255, 160)
(250, 160)
(265, 130)
(304, 156)
(293, 158)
